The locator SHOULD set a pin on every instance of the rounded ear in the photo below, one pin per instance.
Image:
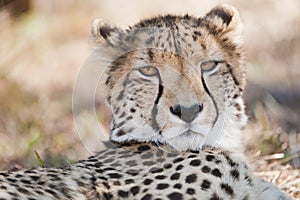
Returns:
(226, 18)
(101, 30)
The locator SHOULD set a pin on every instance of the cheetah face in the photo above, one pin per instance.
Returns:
(176, 80)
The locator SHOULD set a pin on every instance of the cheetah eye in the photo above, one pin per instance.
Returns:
(148, 71)
(209, 65)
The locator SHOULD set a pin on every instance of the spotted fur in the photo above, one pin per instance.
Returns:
(139, 171)
(208, 104)
(174, 84)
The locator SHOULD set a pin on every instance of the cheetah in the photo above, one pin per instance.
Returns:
(174, 85)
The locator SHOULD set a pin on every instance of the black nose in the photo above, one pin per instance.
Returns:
(187, 114)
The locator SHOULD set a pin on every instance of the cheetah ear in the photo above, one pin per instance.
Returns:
(101, 31)
(227, 19)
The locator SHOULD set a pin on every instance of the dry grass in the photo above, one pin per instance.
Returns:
(41, 53)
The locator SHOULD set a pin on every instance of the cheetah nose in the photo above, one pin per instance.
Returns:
(187, 114)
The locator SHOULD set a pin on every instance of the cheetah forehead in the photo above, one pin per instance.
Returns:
(216, 36)
(222, 24)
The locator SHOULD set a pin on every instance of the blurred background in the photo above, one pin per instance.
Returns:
(44, 43)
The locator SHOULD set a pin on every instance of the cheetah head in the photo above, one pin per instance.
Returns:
(176, 80)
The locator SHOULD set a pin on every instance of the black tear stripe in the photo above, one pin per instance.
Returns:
(154, 124)
(213, 99)
(229, 67)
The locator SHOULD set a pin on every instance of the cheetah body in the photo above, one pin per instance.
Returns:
(138, 171)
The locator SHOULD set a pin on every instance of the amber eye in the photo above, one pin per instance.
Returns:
(148, 70)
(209, 65)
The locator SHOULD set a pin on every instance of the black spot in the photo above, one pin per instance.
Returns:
(175, 176)
(160, 160)
(227, 188)
(129, 181)
(144, 148)
(11, 180)
(192, 156)
(53, 193)
(121, 95)
(131, 163)
(19, 176)
(134, 190)
(177, 185)
(116, 183)
(23, 190)
(147, 197)
(132, 110)
(2, 187)
(41, 182)
(178, 160)
(154, 170)
(120, 133)
(215, 197)
(145, 190)
(175, 196)
(114, 175)
(149, 163)
(160, 177)
(191, 178)
(197, 33)
(218, 161)
(205, 184)
(179, 167)
(122, 115)
(210, 157)
(147, 181)
(132, 172)
(147, 155)
(106, 185)
(216, 172)
(195, 162)
(13, 194)
(235, 174)
(123, 193)
(25, 181)
(40, 192)
(167, 166)
(238, 107)
(205, 169)
(3, 174)
(107, 195)
(107, 168)
(162, 186)
(190, 191)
